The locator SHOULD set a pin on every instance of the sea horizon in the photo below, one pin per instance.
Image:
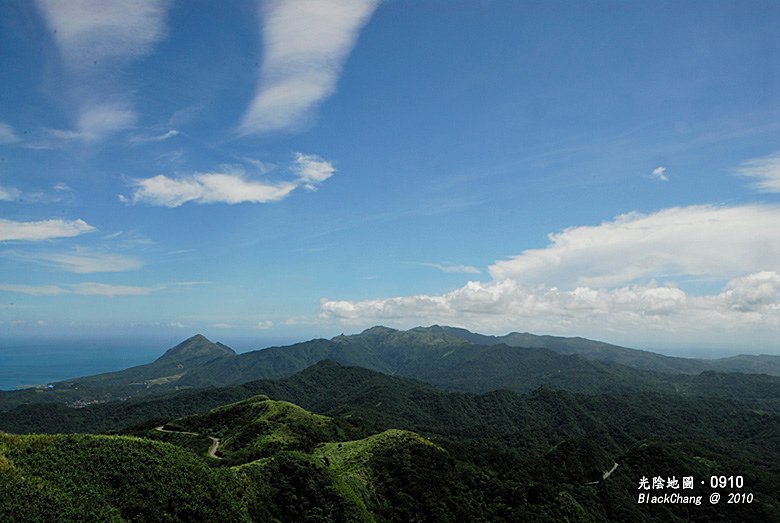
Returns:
(39, 362)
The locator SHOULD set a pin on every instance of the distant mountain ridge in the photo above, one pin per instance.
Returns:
(639, 359)
(458, 359)
(450, 358)
(190, 354)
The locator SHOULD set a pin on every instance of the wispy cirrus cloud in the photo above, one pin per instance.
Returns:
(9, 194)
(765, 170)
(57, 193)
(79, 262)
(8, 135)
(305, 45)
(233, 185)
(659, 173)
(91, 289)
(105, 31)
(33, 290)
(451, 268)
(96, 39)
(138, 139)
(84, 289)
(42, 230)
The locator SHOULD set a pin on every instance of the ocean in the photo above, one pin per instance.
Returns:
(29, 364)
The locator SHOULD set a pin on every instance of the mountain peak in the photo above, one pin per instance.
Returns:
(378, 330)
(197, 347)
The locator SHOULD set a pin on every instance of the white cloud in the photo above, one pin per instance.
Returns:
(765, 170)
(228, 188)
(744, 304)
(752, 292)
(59, 192)
(93, 32)
(84, 289)
(42, 230)
(311, 169)
(7, 134)
(700, 241)
(154, 138)
(95, 121)
(305, 44)
(232, 186)
(96, 40)
(92, 289)
(9, 194)
(103, 289)
(602, 281)
(98, 120)
(660, 174)
(264, 325)
(81, 262)
(33, 290)
(466, 269)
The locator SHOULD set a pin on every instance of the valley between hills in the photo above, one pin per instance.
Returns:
(429, 424)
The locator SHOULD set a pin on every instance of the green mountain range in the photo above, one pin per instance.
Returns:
(430, 424)
(450, 358)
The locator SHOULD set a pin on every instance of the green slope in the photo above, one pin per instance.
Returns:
(384, 448)
(259, 427)
(110, 478)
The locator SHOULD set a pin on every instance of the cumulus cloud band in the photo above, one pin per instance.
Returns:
(605, 278)
(500, 306)
(701, 241)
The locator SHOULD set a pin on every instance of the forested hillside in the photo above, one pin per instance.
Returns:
(486, 433)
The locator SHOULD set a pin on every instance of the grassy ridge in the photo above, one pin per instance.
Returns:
(111, 478)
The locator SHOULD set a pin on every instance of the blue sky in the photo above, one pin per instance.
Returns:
(291, 169)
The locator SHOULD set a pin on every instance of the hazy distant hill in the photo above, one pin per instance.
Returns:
(190, 354)
(639, 359)
(152, 378)
(431, 355)
(454, 359)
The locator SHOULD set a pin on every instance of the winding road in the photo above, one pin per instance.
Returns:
(605, 475)
(610, 471)
(214, 441)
